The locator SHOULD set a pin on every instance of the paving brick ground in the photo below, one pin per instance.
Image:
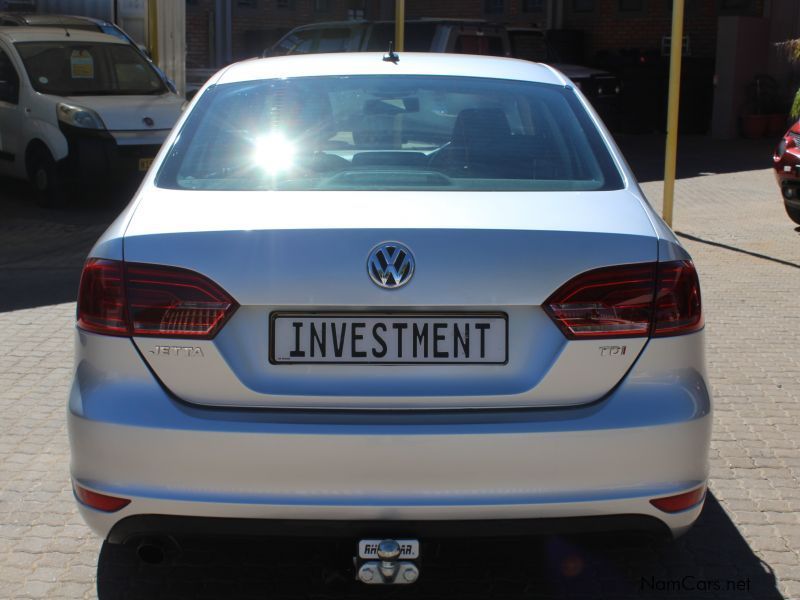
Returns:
(746, 544)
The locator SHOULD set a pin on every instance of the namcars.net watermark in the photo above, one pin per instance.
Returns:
(690, 583)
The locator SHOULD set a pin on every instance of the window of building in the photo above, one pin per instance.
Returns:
(582, 6)
(631, 6)
(247, 3)
(283, 3)
(355, 14)
(322, 5)
(690, 7)
(533, 6)
(494, 7)
(737, 7)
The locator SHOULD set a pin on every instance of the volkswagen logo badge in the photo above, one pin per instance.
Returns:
(390, 265)
(148, 121)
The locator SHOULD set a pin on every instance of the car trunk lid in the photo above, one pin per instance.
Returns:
(306, 252)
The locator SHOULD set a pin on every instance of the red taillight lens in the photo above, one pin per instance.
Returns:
(673, 504)
(171, 302)
(101, 298)
(608, 302)
(678, 309)
(150, 300)
(661, 299)
(99, 501)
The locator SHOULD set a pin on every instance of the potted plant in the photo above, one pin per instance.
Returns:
(761, 107)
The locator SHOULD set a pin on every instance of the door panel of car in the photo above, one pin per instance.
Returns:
(10, 116)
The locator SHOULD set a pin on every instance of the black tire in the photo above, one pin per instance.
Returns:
(794, 213)
(46, 180)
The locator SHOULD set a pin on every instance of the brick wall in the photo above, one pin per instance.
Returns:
(197, 27)
(607, 28)
(257, 24)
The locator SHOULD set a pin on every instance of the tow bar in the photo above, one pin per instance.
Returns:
(394, 564)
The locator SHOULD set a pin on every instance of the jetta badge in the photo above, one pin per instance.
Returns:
(390, 265)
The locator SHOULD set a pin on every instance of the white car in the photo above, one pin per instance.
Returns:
(78, 107)
(389, 297)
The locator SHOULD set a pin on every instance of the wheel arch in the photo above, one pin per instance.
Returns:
(35, 147)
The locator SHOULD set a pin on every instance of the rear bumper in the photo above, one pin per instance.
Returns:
(648, 438)
(141, 526)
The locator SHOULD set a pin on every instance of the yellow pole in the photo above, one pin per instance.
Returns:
(152, 29)
(399, 24)
(676, 49)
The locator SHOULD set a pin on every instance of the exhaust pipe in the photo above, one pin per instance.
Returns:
(156, 551)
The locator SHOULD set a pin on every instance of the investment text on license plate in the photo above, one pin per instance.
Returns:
(389, 338)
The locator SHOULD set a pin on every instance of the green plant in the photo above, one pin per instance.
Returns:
(792, 50)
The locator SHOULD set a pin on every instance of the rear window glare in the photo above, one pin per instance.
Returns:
(379, 132)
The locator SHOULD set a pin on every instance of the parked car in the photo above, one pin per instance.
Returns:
(425, 35)
(78, 107)
(389, 296)
(16, 19)
(786, 162)
(460, 36)
(531, 43)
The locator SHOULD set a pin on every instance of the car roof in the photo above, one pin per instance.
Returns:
(358, 23)
(34, 19)
(372, 63)
(54, 34)
(331, 25)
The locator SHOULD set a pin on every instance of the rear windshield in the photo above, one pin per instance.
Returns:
(389, 132)
(418, 37)
(88, 69)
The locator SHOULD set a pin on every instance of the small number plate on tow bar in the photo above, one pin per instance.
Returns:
(368, 549)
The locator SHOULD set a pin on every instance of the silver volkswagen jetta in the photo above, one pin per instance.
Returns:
(388, 298)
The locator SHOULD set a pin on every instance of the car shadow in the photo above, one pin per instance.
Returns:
(698, 155)
(712, 561)
(780, 261)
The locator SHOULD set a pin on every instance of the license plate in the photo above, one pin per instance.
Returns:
(368, 549)
(389, 338)
(144, 163)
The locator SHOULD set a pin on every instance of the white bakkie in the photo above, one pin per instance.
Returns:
(78, 107)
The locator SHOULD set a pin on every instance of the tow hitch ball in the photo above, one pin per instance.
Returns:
(389, 568)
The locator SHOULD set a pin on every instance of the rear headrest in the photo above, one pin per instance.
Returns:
(478, 125)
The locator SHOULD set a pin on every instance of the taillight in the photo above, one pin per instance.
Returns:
(118, 298)
(101, 298)
(604, 303)
(172, 302)
(657, 299)
(678, 309)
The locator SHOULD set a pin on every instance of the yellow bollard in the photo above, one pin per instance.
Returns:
(676, 50)
(399, 24)
(152, 29)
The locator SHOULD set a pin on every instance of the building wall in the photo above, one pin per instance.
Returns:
(606, 26)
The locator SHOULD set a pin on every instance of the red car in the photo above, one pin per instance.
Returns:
(786, 162)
